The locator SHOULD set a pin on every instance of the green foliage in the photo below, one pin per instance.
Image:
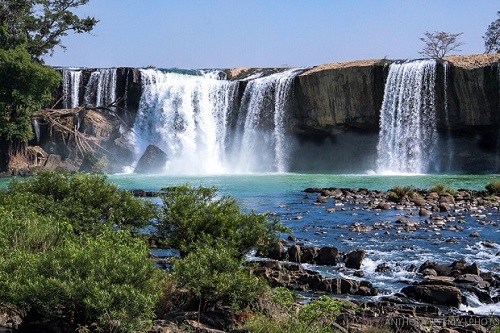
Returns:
(193, 216)
(39, 25)
(86, 201)
(317, 316)
(398, 193)
(492, 36)
(493, 188)
(441, 189)
(25, 85)
(52, 275)
(284, 298)
(215, 276)
(323, 310)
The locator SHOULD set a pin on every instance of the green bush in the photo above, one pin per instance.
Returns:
(215, 276)
(86, 201)
(194, 216)
(52, 276)
(56, 272)
(493, 188)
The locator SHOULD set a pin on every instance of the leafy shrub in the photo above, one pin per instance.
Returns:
(493, 188)
(323, 310)
(87, 201)
(193, 216)
(61, 262)
(51, 275)
(215, 276)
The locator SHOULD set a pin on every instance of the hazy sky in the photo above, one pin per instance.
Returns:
(267, 33)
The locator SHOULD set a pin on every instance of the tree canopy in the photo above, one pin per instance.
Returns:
(492, 36)
(39, 25)
(439, 43)
(25, 85)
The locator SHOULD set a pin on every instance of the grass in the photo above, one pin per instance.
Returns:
(493, 188)
(442, 189)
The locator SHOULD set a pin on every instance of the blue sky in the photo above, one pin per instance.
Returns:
(267, 33)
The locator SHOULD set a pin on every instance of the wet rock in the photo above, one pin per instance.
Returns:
(328, 255)
(435, 294)
(475, 234)
(429, 272)
(424, 212)
(152, 161)
(294, 253)
(354, 259)
(322, 199)
(383, 268)
(468, 278)
(274, 251)
(384, 205)
(472, 269)
(309, 254)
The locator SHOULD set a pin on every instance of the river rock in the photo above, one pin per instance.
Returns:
(354, 259)
(293, 253)
(152, 161)
(328, 255)
(309, 254)
(435, 294)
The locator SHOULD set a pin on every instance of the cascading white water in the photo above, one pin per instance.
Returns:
(106, 87)
(263, 140)
(36, 128)
(100, 89)
(186, 116)
(71, 87)
(193, 118)
(408, 133)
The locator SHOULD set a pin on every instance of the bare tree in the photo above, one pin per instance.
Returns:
(439, 43)
(492, 37)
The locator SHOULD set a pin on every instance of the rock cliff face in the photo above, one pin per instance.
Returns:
(346, 96)
(334, 114)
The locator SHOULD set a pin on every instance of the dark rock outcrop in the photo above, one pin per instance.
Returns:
(152, 161)
(435, 294)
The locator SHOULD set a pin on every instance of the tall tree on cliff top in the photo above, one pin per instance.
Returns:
(439, 43)
(492, 36)
(30, 30)
(39, 25)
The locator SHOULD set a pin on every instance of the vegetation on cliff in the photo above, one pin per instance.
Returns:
(28, 31)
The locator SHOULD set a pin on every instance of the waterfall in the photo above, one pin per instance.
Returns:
(106, 87)
(100, 89)
(408, 133)
(186, 116)
(264, 140)
(194, 117)
(36, 129)
(71, 87)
